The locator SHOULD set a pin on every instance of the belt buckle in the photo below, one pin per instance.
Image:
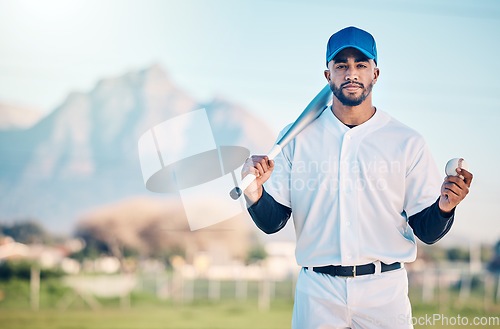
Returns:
(350, 276)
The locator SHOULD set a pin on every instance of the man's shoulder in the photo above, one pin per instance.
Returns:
(399, 127)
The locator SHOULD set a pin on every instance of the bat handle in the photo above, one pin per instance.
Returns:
(238, 190)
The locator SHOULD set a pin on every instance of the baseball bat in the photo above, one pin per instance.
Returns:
(310, 113)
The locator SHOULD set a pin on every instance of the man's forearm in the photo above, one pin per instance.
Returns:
(431, 224)
(269, 215)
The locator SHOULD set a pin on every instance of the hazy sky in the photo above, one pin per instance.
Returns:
(438, 62)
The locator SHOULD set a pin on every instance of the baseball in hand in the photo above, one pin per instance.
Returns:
(453, 164)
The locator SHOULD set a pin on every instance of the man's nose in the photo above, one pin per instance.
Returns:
(351, 74)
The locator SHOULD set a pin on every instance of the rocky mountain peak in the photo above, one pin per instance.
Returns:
(84, 154)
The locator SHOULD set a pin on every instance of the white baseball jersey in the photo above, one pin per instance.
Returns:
(352, 190)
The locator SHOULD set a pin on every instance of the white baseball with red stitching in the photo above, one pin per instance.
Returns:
(453, 164)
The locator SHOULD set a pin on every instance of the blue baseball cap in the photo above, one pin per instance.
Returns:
(351, 37)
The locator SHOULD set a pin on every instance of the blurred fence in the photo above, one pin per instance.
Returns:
(454, 285)
(183, 288)
(443, 285)
(435, 284)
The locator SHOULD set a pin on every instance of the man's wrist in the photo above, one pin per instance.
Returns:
(253, 197)
(445, 212)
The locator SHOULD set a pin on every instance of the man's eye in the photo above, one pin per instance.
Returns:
(362, 66)
(340, 67)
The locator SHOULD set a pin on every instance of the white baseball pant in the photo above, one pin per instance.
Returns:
(377, 300)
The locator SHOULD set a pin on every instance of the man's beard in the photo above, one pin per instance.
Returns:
(351, 101)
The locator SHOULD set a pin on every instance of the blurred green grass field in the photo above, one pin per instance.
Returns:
(148, 312)
(202, 315)
(221, 315)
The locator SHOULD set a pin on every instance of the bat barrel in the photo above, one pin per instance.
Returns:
(310, 113)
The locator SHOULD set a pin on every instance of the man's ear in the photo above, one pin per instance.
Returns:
(327, 75)
(376, 73)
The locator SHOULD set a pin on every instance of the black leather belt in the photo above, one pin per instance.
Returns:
(352, 271)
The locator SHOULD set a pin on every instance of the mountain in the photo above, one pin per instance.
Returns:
(17, 117)
(84, 154)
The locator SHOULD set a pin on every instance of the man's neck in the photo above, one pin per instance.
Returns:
(353, 115)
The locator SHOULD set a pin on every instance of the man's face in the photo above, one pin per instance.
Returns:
(351, 76)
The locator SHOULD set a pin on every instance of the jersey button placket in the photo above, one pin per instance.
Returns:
(351, 199)
(345, 188)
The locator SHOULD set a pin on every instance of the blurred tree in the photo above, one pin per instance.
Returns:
(256, 254)
(458, 254)
(95, 246)
(146, 228)
(494, 265)
(487, 253)
(21, 269)
(432, 253)
(28, 232)
(167, 254)
(93, 249)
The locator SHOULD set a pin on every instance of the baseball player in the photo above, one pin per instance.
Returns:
(361, 186)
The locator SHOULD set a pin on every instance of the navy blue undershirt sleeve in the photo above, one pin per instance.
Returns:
(269, 215)
(431, 224)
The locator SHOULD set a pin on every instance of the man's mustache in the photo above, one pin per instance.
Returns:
(352, 83)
